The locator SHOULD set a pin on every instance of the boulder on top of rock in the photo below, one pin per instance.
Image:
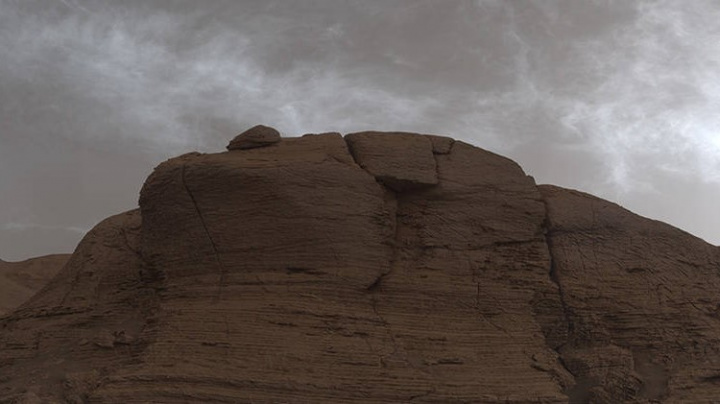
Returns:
(399, 160)
(257, 136)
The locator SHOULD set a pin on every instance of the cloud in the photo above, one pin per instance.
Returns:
(626, 92)
(120, 80)
(633, 89)
(653, 96)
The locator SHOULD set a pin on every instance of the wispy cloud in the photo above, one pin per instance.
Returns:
(126, 70)
(633, 86)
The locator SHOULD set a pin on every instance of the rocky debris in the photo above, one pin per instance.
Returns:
(257, 136)
(305, 271)
(20, 280)
(399, 160)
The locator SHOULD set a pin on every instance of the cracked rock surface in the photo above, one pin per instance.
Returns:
(641, 302)
(375, 268)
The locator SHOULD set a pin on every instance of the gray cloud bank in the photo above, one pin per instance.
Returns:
(617, 98)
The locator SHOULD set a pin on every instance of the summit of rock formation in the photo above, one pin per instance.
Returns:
(372, 268)
(257, 136)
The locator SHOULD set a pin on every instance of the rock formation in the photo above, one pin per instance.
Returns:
(375, 268)
(257, 136)
(20, 280)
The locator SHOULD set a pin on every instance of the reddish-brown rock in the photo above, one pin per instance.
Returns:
(441, 144)
(641, 303)
(313, 272)
(257, 136)
(399, 160)
(68, 339)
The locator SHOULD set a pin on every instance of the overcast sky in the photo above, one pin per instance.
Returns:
(617, 98)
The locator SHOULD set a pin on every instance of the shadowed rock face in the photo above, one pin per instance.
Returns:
(641, 302)
(379, 267)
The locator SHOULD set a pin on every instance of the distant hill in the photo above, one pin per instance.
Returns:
(20, 280)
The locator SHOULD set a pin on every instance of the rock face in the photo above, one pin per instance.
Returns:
(20, 280)
(375, 268)
(641, 303)
(257, 136)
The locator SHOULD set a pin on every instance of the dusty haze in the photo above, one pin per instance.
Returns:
(619, 99)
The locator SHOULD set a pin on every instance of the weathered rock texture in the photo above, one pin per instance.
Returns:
(401, 161)
(641, 303)
(257, 136)
(20, 280)
(403, 268)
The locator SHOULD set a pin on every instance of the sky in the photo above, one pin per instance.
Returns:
(620, 99)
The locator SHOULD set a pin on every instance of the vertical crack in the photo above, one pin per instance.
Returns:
(566, 311)
(437, 168)
(394, 244)
(377, 284)
(221, 268)
(445, 153)
(556, 280)
(386, 326)
(352, 152)
(135, 251)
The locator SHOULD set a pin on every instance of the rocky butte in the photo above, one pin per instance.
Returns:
(371, 268)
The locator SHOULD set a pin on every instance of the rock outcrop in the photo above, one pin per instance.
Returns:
(20, 280)
(257, 136)
(400, 161)
(375, 268)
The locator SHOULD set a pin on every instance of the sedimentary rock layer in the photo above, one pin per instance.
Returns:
(376, 268)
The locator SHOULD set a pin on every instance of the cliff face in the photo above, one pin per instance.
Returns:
(372, 268)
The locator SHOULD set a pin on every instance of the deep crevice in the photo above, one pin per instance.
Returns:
(393, 202)
(352, 153)
(221, 268)
(566, 311)
(394, 243)
(556, 280)
(437, 168)
(135, 251)
(376, 284)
